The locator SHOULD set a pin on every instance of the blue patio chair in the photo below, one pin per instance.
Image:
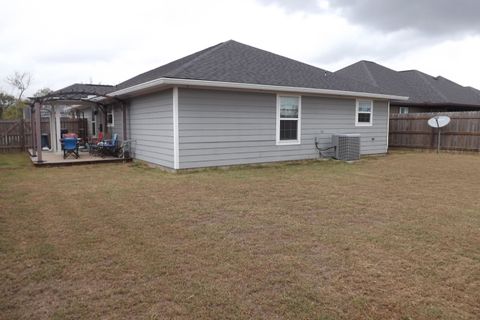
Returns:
(109, 146)
(70, 147)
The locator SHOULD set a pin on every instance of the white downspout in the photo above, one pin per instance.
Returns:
(176, 156)
(388, 124)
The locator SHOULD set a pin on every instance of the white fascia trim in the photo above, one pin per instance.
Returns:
(96, 98)
(175, 129)
(248, 86)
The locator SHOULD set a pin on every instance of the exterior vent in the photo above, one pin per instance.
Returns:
(347, 146)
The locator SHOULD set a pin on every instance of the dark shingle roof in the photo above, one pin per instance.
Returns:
(420, 87)
(476, 91)
(87, 89)
(232, 61)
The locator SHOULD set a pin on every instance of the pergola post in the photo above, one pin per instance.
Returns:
(58, 115)
(38, 131)
(51, 121)
(105, 121)
(32, 127)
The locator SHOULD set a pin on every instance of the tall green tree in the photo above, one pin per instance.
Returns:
(6, 101)
(42, 92)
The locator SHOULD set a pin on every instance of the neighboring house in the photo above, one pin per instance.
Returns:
(426, 93)
(234, 104)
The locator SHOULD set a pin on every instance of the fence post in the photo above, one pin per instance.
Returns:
(22, 134)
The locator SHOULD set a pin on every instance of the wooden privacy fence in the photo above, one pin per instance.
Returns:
(16, 135)
(412, 131)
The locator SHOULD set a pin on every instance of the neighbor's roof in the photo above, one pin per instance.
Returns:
(420, 87)
(476, 91)
(234, 62)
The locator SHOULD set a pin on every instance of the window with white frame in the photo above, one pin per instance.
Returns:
(288, 119)
(364, 113)
(110, 117)
(403, 110)
(94, 122)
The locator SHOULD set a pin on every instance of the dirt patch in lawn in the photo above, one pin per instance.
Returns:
(395, 237)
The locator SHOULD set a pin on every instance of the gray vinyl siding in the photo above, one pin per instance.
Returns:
(219, 128)
(117, 122)
(150, 122)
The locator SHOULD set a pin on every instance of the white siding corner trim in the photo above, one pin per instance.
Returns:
(388, 125)
(175, 129)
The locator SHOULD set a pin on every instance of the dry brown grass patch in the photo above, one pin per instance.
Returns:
(385, 238)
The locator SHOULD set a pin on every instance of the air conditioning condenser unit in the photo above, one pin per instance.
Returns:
(347, 146)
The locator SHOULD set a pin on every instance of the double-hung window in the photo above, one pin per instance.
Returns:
(94, 122)
(110, 117)
(364, 113)
(288, 119)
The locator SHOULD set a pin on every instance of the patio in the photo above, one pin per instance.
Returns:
(50, 158)
(86, 103)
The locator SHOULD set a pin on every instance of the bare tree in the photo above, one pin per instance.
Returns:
(20, 81)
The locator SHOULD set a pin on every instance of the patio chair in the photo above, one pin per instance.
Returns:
(70, 147)
(109, 146)
(93, 144)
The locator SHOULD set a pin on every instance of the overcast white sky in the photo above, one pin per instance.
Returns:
(103, 41)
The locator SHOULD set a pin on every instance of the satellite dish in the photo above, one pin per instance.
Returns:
(438, 121)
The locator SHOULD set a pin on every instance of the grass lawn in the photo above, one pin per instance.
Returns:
(394, 237)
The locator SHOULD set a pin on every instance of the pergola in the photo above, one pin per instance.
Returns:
(75, 95)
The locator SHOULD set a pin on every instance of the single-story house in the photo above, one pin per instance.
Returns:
(233, 104)
(426, 93)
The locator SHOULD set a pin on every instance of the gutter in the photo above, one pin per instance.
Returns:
(164, 82)
(436, 104)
